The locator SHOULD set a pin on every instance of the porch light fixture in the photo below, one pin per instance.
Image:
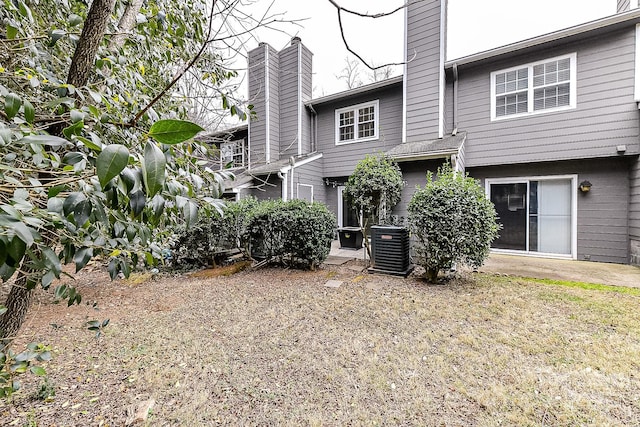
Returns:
(585, 186)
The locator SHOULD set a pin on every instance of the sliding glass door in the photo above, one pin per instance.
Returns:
(537, 214)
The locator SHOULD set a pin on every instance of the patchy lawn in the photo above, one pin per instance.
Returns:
(276, 347)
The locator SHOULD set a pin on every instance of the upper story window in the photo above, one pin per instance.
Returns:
(543, 86)
(357, 123)
(232, 154)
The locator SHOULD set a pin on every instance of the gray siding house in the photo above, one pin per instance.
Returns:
(550, 126)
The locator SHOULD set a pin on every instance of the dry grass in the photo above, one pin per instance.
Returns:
(276, 347)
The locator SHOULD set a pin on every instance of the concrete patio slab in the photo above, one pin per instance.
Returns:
(560, 269)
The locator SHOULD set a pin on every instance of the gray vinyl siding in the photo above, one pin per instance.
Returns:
(423, 70)
(274, 105)
(605, 116)
(340, 160)
(603, 224)
(623, 5)
(414, 175)
(257, 125)
(634, 203)
(307, 89)
(311, 174)
(289, 101)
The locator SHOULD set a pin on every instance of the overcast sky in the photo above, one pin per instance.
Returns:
(473, 26)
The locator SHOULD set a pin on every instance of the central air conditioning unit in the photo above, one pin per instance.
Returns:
(390, 250)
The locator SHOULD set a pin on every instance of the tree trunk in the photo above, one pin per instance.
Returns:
(92, 34)
(126, 24)
(432, 274)
(17, 304)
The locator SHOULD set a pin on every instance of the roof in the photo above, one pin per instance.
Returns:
(221, 134)
(604, 24)
(357, 91)
(430, 149)
(282, 165)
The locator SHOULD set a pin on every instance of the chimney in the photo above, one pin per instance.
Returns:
(425, 44)
(295, 90)
(627, 5)
(264, 94)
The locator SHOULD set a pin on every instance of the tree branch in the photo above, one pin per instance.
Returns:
(341, 9)
(182, 72)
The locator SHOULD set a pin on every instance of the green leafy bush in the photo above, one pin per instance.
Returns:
(194, 246)
(452, 221)
(375, 187)
(295, 233)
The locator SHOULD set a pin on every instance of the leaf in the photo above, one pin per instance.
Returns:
(29, 112)
(76, 116)
(52, 260)
(137, 201)
(38, 370)
(6, 271)
(56, 35)
(153, 168)
(89, 143)
(12, 32)
(190, 212)
(12, 103)
(50, 140)
(74, 20)
(157, 203)
(111, 161)
(173, 131)
(23, 232)
(82, 257)
(74, 129)
(82, 212)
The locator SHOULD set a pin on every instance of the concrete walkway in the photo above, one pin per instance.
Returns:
(559, 269)
(540, 268)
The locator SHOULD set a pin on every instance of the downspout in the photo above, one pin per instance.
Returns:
(314, 129)
(455, 97)
(283, 178)
(292, 162)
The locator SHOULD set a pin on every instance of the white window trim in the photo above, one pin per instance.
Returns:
(530, 88)
(235, 142)
(574, 212)
(298, 185)
(355, 108)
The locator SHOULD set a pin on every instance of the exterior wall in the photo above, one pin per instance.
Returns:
(606, 115)
(306, 74)
(603, 222)
(423, 71)
(289, 101)
(414, 174)
(340, 160)
(634, 212)
(273, 103)
(310, 174)
(263, 70)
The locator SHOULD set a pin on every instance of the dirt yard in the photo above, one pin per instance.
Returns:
(278, 347)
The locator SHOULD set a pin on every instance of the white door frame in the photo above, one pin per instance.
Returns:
(574, 211)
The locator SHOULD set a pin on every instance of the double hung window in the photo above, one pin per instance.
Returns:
(357, 123)
(542, 86)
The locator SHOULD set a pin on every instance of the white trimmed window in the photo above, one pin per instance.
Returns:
(543, 86)
(357, 123)
(232, 154)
